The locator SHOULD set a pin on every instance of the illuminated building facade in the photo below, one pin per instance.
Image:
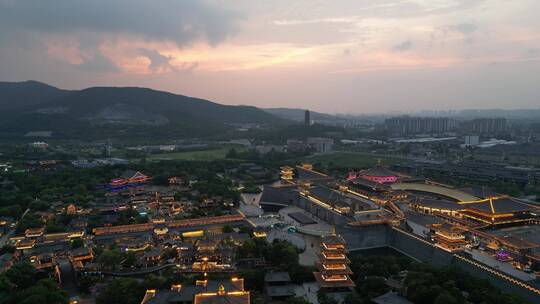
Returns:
(378, 174)
(71, 209)
(333, 264)
(287, 173)
(501, 210)
(187, 223)
(448, 237)
(129, 178)
(203, 292)
(210, 256)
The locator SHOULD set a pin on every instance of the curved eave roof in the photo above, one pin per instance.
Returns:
(500, 205)
(379, 171)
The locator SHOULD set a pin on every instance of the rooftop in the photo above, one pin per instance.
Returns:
(272, 277)
(333, 239)
(302, 218)
(378, 171)
(307, 174)
(495, 205)
(391, 298)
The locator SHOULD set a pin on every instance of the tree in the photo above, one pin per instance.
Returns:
(169, 253)
(77, 243)
(7, 249)
(283, 254)
(324, 298)
(372, 287)
(21, 275)
(53, 227)
(353, 298)
(232, 153)
(445, 298)
(154, 282)
(301, 274)
(11, 211)
(122, 291)
(85, 282)
(110, 258)
(45, 291)
(253, 278)
(297, 300)
(18, 285)
(130, 259)
(29, 221)
(227, 229)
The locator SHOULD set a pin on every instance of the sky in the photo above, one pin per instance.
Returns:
(354, 56)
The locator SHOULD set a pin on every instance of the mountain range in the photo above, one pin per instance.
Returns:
(100, 112)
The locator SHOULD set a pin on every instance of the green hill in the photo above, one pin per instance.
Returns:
(119, 112)
(16, 95)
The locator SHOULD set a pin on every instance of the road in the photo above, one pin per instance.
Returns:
(67, 276)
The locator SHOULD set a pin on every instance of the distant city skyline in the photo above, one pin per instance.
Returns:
(399, 56)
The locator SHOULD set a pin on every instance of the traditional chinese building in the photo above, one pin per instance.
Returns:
(80, 256)
(502, 210)
(203, 292)
(223, 296)
(377, 174)
(175, 180)
(287, 173)
(43, 261)
(333, 274)
(129, 177)
(71, 209)
(210, 256)
(448, 237)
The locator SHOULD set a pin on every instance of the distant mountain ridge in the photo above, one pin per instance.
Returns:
(34, 106)
(15, 95)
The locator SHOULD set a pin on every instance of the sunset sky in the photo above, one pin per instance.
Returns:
(335, 56)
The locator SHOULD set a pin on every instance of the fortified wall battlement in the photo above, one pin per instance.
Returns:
(328, 207)
(362, 238)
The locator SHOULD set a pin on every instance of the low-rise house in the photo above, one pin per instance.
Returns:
(390, 297)
(203, 292)
(44, 261)
(277, 286)
(152, 257)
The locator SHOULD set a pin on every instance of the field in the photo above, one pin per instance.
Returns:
(201, 155)
(335, 159)
(352, 159)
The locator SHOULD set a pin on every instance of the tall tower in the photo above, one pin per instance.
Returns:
(287, 173)
(307, 118)
(334, 272)
(108, 147)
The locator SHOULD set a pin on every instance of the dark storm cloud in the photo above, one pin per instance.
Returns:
(183, 21)
(157, 60)
(98, 63)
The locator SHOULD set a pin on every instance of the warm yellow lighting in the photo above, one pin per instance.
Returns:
(335, 278)
(207, 294)
(333, 256)
(197, 233)
(259, 234)
(334, 266)
(236, 293)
